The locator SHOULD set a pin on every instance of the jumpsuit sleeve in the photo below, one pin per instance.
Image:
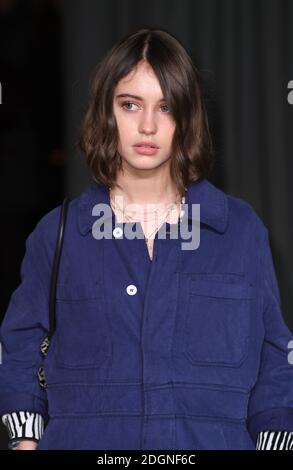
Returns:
(270, 404)
(23, 329)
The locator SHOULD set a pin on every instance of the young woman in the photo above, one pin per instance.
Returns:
(159, 343)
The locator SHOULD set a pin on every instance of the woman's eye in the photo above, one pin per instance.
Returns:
(128, 103)
(165, 106)
(127, 106)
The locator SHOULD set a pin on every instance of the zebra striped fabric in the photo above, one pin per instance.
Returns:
(270, 440)
(25, 425)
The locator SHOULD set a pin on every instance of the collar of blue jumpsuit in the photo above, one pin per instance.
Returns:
(213, 204)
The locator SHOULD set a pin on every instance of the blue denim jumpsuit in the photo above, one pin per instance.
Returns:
(188, 350)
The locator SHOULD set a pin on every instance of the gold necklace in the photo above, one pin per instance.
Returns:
(129, 218)
(146, 218)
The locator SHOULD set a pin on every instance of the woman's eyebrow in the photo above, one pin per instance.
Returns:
(128, 95)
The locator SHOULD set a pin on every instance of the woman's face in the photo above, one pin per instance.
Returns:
(145, 119)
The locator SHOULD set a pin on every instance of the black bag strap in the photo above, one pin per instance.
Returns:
(54, 276)
(54, 273)
(53, 284)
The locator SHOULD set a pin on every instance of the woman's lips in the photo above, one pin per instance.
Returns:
(145, 150)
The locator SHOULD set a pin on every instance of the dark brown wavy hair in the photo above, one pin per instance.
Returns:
(192, 148)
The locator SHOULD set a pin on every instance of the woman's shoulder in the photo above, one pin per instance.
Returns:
(239, 211)
(244, 210)
(47, 226)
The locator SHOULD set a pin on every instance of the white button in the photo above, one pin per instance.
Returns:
(117, 232)
(131, 289)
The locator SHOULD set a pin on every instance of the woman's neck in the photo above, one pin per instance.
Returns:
(145, 191)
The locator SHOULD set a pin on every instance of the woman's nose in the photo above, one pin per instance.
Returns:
(148, 122)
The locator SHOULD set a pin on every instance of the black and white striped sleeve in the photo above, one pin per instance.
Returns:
(274, 440)
(24, 425)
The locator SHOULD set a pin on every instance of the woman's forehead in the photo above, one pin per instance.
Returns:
(140, 84)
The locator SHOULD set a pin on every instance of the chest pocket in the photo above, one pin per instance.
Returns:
(82, 335)
(216, 328)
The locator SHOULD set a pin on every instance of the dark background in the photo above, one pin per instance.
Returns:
(48, 50)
